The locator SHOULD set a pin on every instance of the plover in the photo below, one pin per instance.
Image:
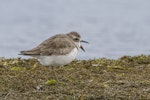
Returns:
(60, 49)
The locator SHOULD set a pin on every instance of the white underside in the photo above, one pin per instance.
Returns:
(56, 60)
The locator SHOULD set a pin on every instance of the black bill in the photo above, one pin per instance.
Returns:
(82, 48)
(84, 41)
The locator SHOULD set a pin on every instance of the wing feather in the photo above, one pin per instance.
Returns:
(56, 45)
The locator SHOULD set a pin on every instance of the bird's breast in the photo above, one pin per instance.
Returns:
(58, 60)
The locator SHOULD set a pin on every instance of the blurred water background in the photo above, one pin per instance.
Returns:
(113, 27)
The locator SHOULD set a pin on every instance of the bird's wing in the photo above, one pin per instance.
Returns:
(56, 45)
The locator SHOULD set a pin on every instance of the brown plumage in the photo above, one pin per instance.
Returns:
(55, 45)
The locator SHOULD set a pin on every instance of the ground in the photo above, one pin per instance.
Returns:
(127, 78)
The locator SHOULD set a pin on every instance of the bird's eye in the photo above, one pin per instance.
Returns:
(76, 39)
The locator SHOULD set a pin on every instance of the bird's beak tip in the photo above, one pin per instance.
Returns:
(84, 41)
(82, 48)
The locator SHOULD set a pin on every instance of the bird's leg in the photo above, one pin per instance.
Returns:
(55, 73)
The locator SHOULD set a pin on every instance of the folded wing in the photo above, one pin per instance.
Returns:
(56, 45)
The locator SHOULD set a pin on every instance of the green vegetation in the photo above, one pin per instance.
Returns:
(51, 82)
(127, 78)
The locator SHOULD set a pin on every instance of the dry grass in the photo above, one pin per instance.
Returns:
(127, 78)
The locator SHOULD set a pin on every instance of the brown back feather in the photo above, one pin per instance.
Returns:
(56, 45)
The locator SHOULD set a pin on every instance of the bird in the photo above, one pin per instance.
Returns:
(58, 50)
